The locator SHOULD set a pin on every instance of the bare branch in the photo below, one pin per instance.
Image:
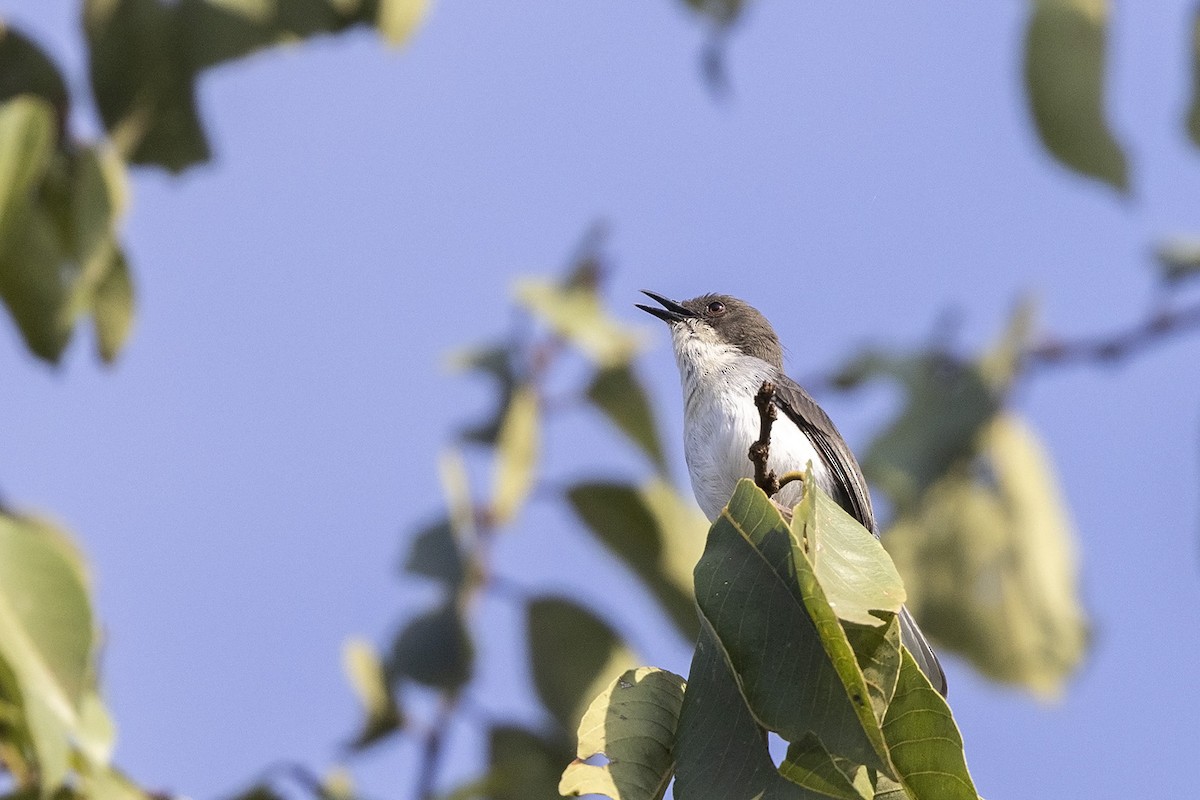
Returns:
(1115, 347)
(760, 451)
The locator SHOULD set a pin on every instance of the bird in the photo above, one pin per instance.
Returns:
(725, 350)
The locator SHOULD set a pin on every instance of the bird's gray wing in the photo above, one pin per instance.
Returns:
(852, 494)
(850, 487)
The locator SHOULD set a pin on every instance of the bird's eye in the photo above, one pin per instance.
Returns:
(716, 308)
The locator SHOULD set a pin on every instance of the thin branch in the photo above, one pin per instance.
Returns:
(760, 451)
(431, 750)
(1115, 347)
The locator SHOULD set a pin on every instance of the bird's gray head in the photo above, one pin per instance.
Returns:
(721, 321)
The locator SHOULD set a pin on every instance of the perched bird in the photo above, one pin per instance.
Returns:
(725, 350)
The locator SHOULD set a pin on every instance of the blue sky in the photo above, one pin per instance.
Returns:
(244, 478)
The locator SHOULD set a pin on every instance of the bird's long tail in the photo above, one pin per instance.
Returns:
(923, 654)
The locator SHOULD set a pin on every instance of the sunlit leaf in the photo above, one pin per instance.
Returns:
(617, 392)
(26, 144)
(96, 734)
(653, 532)
(851, 565)
(809, 764)
(516, 455)
(989, 560)
(576, 313)
(923, 740)
(113, 307)
(572, 654)
(1064, 76)
(632, 725)
(795, 667)
(399, 18)
(435, 649)
(364, 669)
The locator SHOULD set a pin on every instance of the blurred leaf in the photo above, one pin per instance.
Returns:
(435, 554)
(496, 361)
(367, 677)
(47, 636)
(107, 783)
(113, 307)
(1000, 365)
(1064, 76)
(399, 18)
(650, 531)
(516, 456)
(434, 649)
(338, 784)
(575, 312)
(990, 564)
(617, 392)
(1179, 258)
(758, 590)
(948, 403)
(26, 145)
(809, 764)
(572, 653)
(1193, 118)
(632, 725)
(723, 12)
(854, 570)
(26, 69)
(96, 735)
(523, 765)
(924, 742)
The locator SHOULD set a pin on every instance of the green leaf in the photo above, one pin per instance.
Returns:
(113, 306)
(948, 403)
(924, 742)
(367, 677)
(723, 12)
(497, 363)
(796, 669)
(570, 651)
(96, 734)
(26, 145)
(989, 559)
(809, 764)
(617, 392)
(523, 765)
(434, 649)
(1064, 76)
(575, 312)
(399, 18)
(516, 456)
(632, 725)
(720, 750)
(877, 650)
(26, 69)
(855, 572)
(435, 554)
(1193, 116)
(47, 636)
(651, 531)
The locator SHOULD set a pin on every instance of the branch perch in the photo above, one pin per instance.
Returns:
(760, 451)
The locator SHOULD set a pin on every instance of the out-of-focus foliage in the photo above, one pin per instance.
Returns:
(1064, 76)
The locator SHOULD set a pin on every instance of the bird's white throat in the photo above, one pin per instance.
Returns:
(721, 420)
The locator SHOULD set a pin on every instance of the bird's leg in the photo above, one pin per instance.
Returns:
(760, 451)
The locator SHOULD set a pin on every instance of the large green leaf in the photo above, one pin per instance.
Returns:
(653, 532)
(632, 725)
(924, 742)
(809, 764)
(571, 653)
(47, 636)
(795, 667)
(1064, 76)
(854, 570)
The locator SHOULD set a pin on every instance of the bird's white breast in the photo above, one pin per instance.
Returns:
(721, 422)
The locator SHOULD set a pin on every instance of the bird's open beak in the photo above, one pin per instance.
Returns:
(670, 312)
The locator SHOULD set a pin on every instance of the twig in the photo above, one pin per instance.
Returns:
(431, 752)
(760, 451)
(1113, 348)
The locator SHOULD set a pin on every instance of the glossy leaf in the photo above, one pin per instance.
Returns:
(575, 312)
(516, 455)
(572, 654)
(795, 667)
(617, 392)
(632, 725)
(855, 572)
(653, 532)
(434, 649)
(368, 679)
(923, 740)
(1064, 76)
